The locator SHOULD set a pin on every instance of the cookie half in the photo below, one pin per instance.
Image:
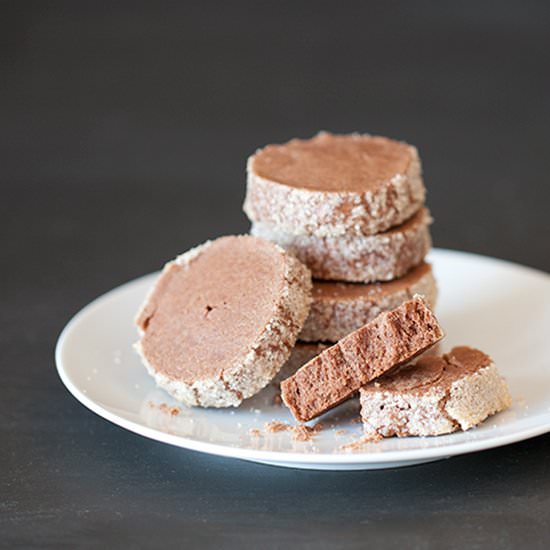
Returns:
(437, 395)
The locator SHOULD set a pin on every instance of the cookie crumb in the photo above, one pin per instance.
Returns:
(302, 433)
(254, 432)
(274, 427)
(277, 400)
(172, 411)
(358, 444)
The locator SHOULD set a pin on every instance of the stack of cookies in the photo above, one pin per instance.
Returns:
(350, 207)
(226, 318)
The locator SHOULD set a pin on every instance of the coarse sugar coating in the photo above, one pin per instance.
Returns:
(357, 258)
(340, 308)
(332, 185)
(222, 319)
(391, 339)
(436, 395)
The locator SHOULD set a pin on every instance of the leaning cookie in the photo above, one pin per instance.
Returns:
(357, 258)
(437, 395)
(221, 320)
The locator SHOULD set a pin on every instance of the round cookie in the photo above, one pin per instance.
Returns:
(222, 319)
(333, 185)
(340, 308)
(358, 259)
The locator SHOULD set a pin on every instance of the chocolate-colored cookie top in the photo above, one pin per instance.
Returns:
(222, 319)
(334, 185)
(203, 315)
(429, 371)
(328, 162)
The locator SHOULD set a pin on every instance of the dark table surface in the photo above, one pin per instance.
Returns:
(124, 131)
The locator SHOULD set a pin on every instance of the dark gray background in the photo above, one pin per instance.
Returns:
(124, 130)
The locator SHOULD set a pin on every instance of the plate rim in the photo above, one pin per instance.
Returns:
(284, 457)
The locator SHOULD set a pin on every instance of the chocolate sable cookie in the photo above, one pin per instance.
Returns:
(340, 308)
(222, 319)
(333, 185)
(357, 258)
(391, 339)
(435, 396)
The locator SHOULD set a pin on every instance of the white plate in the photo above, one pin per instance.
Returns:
(502, 308)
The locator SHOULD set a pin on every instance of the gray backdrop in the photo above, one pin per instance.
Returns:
(124, 132)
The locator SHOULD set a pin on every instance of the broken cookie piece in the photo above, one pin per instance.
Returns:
(391, 339)
(435, 396)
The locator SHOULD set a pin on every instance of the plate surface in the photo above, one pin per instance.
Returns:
(499, 307)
